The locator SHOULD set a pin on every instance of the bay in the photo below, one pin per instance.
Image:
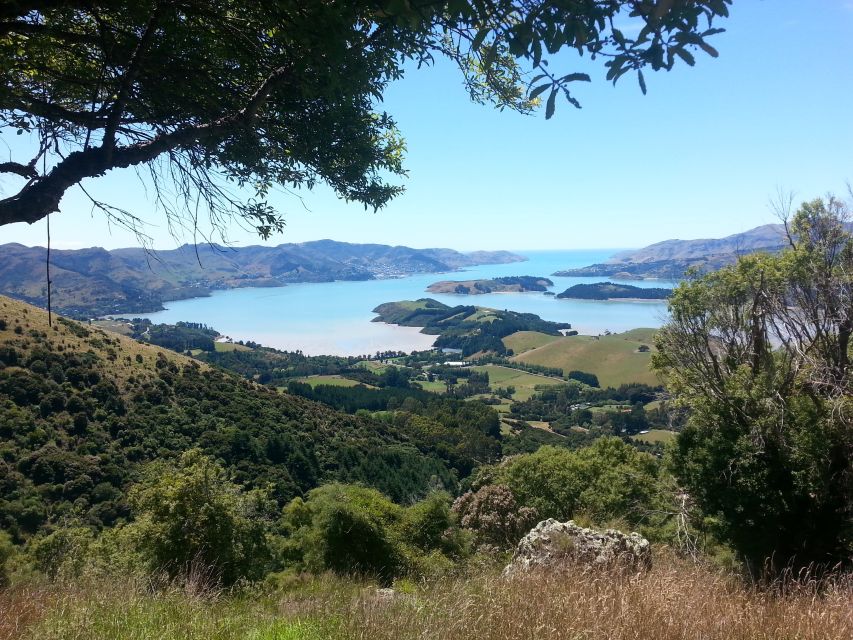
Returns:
(335, 317)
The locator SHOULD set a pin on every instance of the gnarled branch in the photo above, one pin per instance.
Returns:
(42, 196)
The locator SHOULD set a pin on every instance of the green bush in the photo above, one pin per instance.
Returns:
(62, 552)
(607, 480)
(193, 517)
(346, 529)
(351, 529)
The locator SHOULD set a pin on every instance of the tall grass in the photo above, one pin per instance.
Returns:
(674, 600)
(671, 602)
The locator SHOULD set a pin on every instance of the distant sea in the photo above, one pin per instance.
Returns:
(335, 317)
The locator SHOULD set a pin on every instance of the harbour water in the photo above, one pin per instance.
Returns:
(335, 317)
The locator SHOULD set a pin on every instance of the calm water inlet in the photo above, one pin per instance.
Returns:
(335, 317)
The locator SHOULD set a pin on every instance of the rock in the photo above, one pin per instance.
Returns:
(385, 594)
(551, 543)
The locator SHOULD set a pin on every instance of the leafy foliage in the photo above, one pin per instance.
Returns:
(760, 354)
(193, 514)
(607, 480)
(356, 530)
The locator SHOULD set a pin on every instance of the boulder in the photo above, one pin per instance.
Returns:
(551, 543)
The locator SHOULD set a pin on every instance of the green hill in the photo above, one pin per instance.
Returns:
(615, 359)
(522, 341)
(468, 328)
(82, 409)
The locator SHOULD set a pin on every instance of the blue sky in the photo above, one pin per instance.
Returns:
(700, 156)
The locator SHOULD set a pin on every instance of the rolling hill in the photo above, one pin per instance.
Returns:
(615, 358)
(82, 410)
(467, 328)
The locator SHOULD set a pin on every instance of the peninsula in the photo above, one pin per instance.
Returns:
(508, 284)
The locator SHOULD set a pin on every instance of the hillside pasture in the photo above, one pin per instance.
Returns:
(332, 381)
(615, 359)
(525, 383)
(522, 341)
(225, 347)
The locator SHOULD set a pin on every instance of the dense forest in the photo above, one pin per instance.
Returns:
(81, 411)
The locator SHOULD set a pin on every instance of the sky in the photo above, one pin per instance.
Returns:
(701, 155)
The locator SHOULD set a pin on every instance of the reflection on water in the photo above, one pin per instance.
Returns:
(335, 317)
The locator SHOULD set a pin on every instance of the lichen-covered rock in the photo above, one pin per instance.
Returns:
(551, 543)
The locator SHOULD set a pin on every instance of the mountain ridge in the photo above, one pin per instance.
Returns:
(670, 259)
(97, 281)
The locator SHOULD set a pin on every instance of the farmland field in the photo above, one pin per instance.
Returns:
(522, 341)
(331, 380)
(615, 359)
(524, 383)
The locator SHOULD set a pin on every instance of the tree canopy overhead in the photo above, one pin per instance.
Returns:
(216, 96)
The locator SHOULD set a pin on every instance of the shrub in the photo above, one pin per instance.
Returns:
(193, 515)
(494, 516)
(62, 552)
(350, 529)
(605, 481)
(7, 549)
(346, 529)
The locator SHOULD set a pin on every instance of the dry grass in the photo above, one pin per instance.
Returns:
(673, 601)
(118, 352)
(522, 341)
(669, 603)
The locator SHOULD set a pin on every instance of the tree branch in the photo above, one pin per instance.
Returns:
(129, 78)
(42, 197)
(23, 170)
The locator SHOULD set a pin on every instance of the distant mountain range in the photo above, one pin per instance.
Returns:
(671, 258)
(90, 282)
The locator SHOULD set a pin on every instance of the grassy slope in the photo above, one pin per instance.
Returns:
(225, 347)
(524, 383)
(522, 341)
(614, 358)
(332, 381)
(675, 600)
(66, 334)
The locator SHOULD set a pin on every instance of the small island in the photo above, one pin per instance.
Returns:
(508, 284)
(613, 291)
